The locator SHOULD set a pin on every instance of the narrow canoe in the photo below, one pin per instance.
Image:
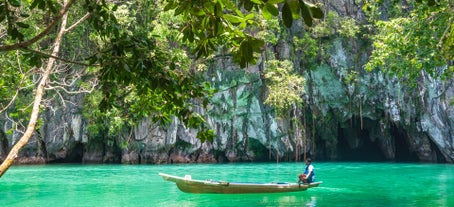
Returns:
(188, 185)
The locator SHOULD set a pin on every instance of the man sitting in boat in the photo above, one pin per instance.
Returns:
(309, 174)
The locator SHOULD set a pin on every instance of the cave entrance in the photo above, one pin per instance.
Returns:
(403, 151)
(4, 146)
(355, 144)
(75, 154)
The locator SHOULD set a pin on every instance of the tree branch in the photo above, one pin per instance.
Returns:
(27, 43)
(73, 92)
(78, 22)
(14, 152)
(58, 58)
(10, 102)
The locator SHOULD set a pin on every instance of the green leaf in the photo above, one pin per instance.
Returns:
(295, 8)
(287, 15)
(248, 5)
(243, 63)
(249, 16)
(316, 12)
(206, 135)
(42, 5)
(216, 27)
(35, 3)
(51, 7)
(25, 15)
(257, 44)
(2, 16)
(233, 19)
(218, 10)
(179, 10)
(306, 14)
(126, 67)
(14, 3)
(22, 25)
(266, 14)
(242, 25)
(35, 60)
(269, 10)
(274, 1)
(246, 50)
(245, 53)
(15, 34)
(169, 6)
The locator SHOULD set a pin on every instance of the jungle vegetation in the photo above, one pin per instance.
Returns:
(140, 58)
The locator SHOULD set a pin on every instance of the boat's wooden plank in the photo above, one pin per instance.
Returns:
(188, 185)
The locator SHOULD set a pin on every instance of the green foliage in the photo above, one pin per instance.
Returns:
(143, 70)
(9, 76)
(285, 88)
(146, 73)
(348, 27)
(333, 24)
(325, 28)
(97, 120)
(169, 38)
(418, 40)
(351, 78)
(14, 78)
(316, 44)
(210, 23)
(310, 48)
(15, 15)
(270, 31)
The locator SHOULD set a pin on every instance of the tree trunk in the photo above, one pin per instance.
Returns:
(13, 154)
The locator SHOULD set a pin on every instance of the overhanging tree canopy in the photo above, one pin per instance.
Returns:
(127, 59)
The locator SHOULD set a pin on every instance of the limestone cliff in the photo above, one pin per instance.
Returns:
(373, 118)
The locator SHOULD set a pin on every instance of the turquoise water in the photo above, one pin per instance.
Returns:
(344, 184)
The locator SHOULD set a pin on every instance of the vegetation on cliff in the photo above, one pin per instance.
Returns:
(137, 59)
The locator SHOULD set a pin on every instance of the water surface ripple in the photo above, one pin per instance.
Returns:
(344, 184)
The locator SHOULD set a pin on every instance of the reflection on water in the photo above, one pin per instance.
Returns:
(284, 200)
(443, 178)
(313, 202)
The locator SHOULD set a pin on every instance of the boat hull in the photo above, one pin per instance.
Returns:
(189, 185)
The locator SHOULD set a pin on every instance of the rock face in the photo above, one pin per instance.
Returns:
(374, 118)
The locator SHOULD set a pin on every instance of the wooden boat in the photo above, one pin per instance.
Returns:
(188, 185)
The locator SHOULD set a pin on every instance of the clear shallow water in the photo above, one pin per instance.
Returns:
(344, 184)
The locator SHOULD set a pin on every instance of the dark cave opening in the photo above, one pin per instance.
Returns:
(368, 151)
(74, 155)
(365, 151)
(439, 156)
(403, 151)
(4, 146)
